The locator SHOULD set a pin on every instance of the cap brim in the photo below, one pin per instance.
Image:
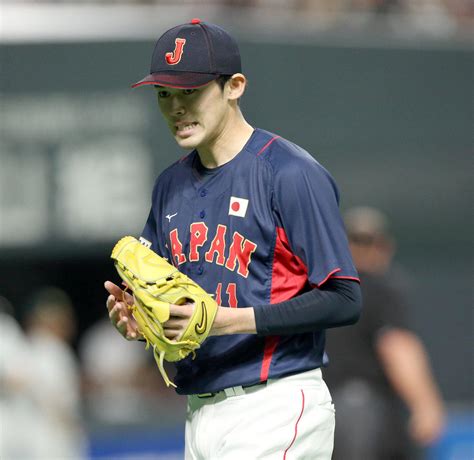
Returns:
(181, 80)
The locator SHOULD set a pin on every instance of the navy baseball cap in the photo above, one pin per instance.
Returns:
(191, 55)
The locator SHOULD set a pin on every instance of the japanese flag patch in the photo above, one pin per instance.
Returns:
(238, 206)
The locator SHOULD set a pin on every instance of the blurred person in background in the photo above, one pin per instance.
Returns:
(51, 325)
(379, 364)
(114, 397)
(16, 402)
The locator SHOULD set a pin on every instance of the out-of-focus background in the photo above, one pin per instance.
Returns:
(379, 91)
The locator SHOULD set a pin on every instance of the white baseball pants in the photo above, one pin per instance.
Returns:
(291, 418)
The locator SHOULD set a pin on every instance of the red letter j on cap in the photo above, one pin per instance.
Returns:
(174, 57)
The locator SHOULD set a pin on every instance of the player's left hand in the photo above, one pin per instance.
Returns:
(180, 316)
(227, 321)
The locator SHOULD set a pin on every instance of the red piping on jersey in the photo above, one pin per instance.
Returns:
(183, 158)
(271, 343)
(353, 278)
(328, 276)
(267, 144)
(337, 277)
(296, 426)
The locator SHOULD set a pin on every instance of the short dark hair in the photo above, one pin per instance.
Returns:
(222, 80)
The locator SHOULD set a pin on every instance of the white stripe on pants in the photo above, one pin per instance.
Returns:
(291, 418)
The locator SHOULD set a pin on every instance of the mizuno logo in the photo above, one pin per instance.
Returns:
(170, 216)
(201, 327)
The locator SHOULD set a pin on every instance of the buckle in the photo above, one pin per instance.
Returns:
(206, 395)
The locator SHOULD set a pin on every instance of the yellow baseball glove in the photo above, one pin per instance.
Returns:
(155, 285)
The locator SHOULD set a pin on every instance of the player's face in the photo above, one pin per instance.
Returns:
(196, 117)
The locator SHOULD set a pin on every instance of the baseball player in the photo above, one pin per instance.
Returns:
(253, 219)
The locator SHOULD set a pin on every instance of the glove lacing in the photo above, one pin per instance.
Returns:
(159, 355)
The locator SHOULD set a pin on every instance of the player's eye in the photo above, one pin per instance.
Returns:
(188, 91)
(163, 93)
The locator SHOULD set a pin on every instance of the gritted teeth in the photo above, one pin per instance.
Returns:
(185, 126)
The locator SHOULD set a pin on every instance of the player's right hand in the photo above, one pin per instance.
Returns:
(427, 423)
(119, 313)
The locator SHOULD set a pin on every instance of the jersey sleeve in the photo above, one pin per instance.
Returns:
(306, 207)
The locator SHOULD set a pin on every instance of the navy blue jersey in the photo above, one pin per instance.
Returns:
(262, 228)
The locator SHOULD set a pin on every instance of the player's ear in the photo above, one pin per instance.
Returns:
(235, 86)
